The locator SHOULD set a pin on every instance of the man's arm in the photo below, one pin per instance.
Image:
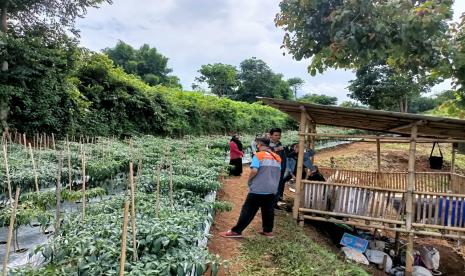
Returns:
(253, 173)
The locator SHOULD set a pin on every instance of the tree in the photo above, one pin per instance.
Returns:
(351, 104)
(381, 87)
(295, 84)
(50, 19)
(409, 35)
(318, 99)
(257, 79)
(221, 78)
(145, 62)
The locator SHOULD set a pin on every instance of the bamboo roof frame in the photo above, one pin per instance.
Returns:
(372, 120)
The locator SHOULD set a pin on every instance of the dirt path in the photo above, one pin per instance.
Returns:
(234, 191)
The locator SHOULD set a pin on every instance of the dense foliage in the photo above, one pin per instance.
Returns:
(253, 79)
(400, 48)
(145, 62)
(318, 99)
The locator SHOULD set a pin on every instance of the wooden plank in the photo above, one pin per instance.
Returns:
(424, 203)
(430, 210)
(436, 212)
(456, 222)
(443, 211)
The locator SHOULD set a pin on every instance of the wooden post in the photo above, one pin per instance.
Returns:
(58, 194)
(7, 172)
(171, 185)
(410, 201)
(157, 207)
(452, 167)
(378, 161)
(25, 142)
(10, 232)
(300, 162)
(83, 185)
(124, 235)
(70, 179)
(34, 169)
(312, 140)
(53, 142)
(133, 212)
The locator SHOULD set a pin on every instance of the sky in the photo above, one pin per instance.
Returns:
(196, 32)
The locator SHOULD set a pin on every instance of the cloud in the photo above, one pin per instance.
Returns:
(192, 33)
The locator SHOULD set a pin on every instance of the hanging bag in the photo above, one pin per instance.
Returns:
(435, 162)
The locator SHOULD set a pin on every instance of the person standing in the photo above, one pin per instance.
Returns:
(277, 147)
(235, 155)
(263, 184)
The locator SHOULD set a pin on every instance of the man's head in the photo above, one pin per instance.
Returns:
(315, 169)
(263, 143)
(275, 135)
(295, 147)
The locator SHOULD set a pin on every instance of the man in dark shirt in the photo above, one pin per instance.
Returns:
(277, 147)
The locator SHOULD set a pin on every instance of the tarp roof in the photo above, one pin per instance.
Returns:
(374, 120)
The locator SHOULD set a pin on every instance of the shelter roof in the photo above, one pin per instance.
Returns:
(374, 120)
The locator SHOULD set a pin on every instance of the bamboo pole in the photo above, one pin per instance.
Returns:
(53, 142)
(385, 138)
(7, 172)
(409, 205)
(70, 179)
(83, 185)
(58, 194)
(124, 235)
(25, 142)
(133, 212)
(10, 232)
(300, 162)
(171, 185)
(34, 169)
(157, 207)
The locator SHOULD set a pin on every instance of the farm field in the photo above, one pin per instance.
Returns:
(172, 178)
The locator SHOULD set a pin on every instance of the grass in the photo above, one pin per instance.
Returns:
(291, 252)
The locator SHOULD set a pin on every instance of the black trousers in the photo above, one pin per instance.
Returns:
(236, 170)
(252, 203)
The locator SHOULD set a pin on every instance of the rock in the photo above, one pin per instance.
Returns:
(355, 255)
(377, 257)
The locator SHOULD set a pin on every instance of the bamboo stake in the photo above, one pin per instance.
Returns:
(7, 172)
(133, 212)
(34, 170)
(83, 185)
(300, 161)
(53, 142)
(58, 194)
(409, 205)
(157, 208)
(24, 141)
(70, 180)
(10, 231)
(171, 185)
(123, 239)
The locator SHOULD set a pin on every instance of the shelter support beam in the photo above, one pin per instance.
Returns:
(409, 204)
(418, 123)
(300, 162)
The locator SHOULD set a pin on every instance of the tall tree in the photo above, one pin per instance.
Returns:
(145, 62)
(295, 84)
(381, 87)
(49, 18)
(221, 78)
(257, 79)
(318, 99)
(410, 37)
